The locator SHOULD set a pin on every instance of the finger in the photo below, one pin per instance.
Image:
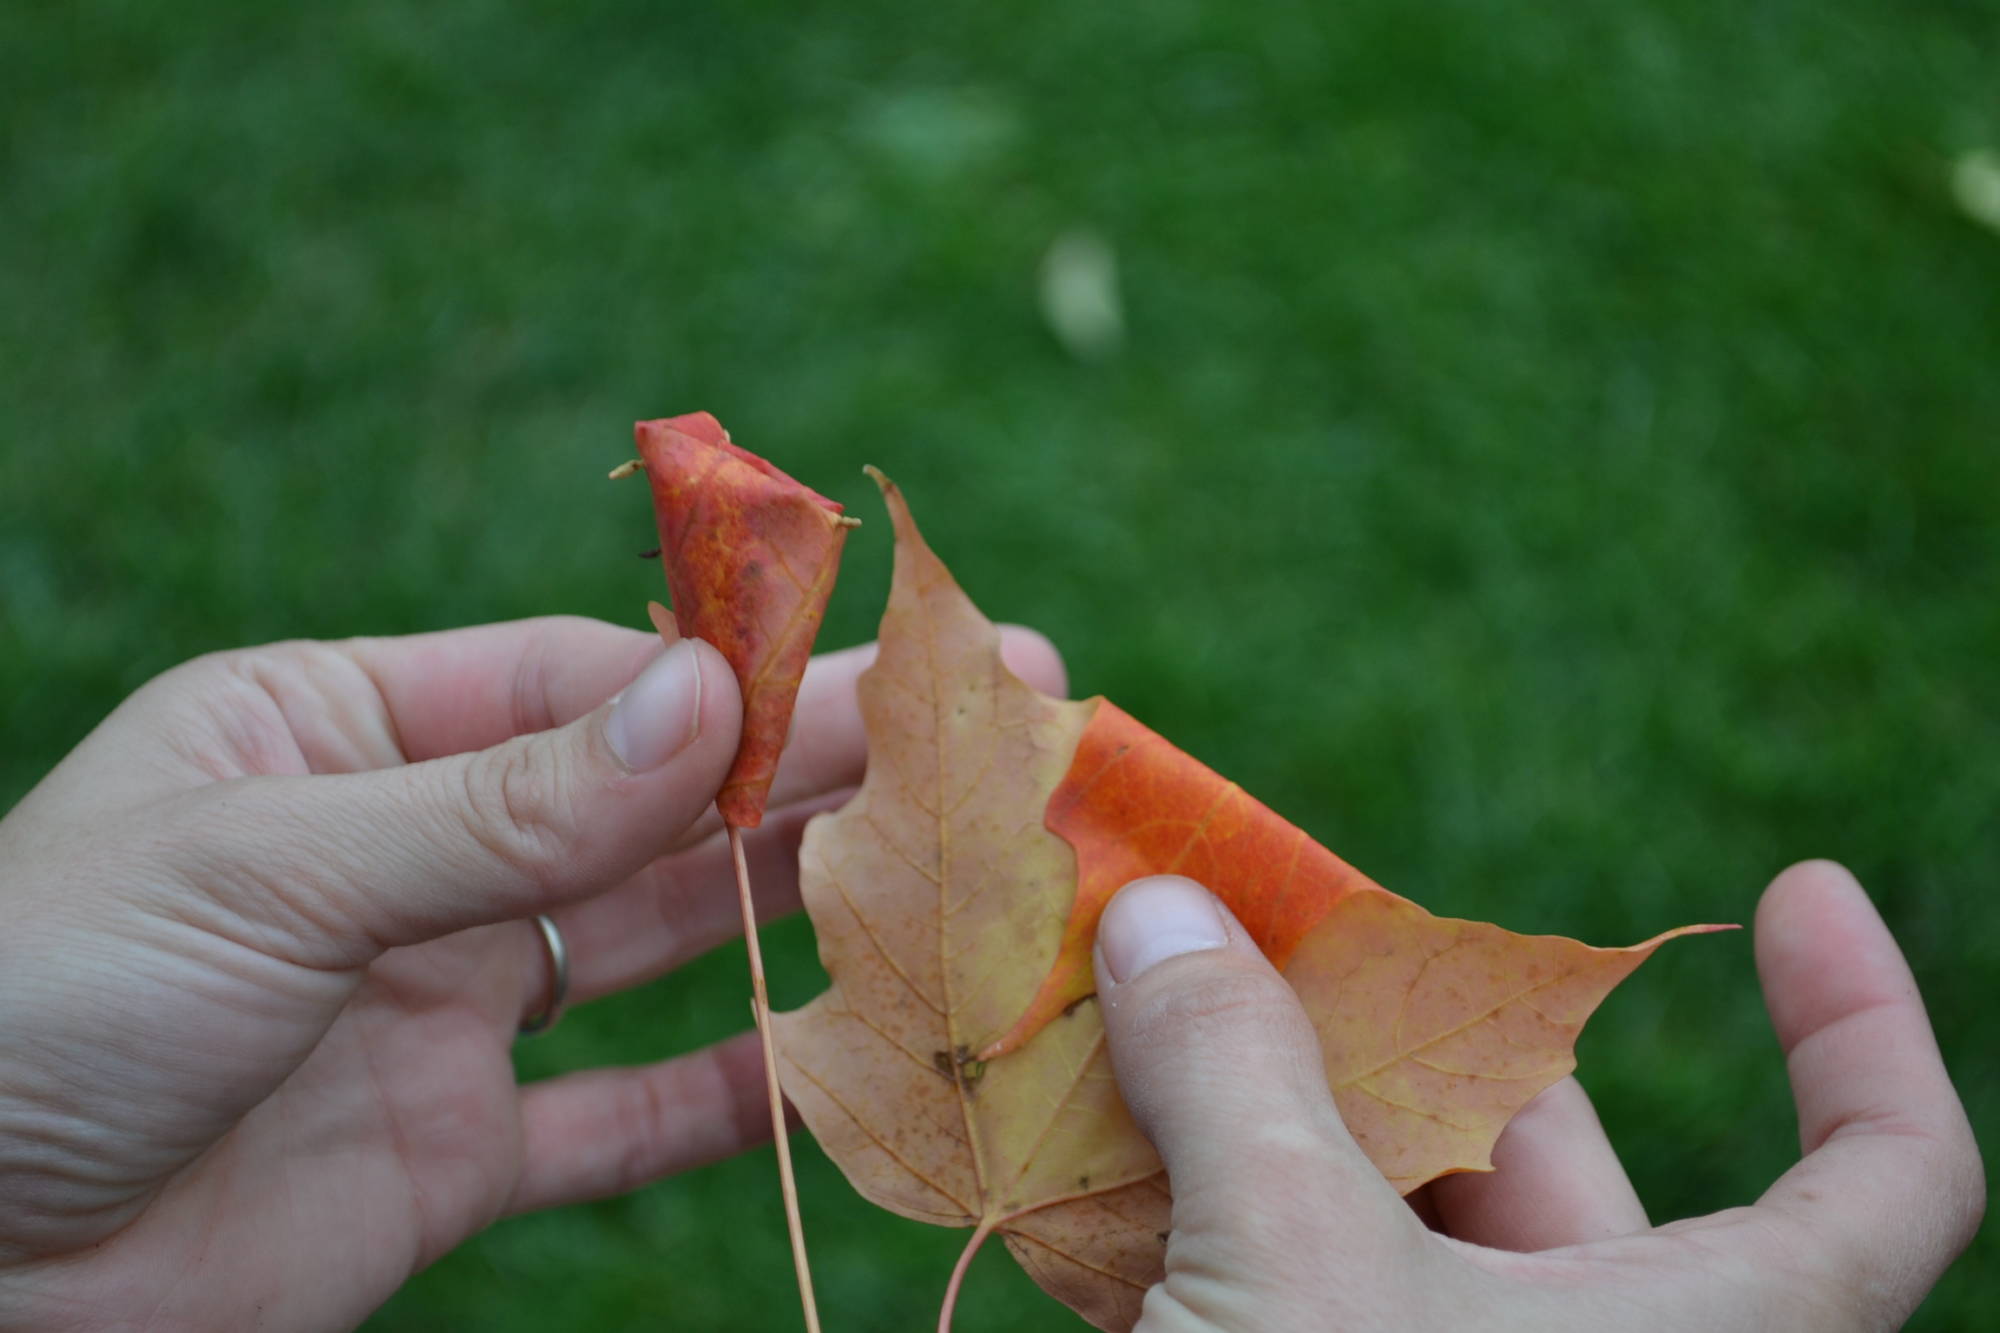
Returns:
(460, 690)
(684, 904)
(1891, 1188)
(1030, 655)
(333, 869)
(346, 706)
(1555, 1181)
(1223, 1072)
(608, 1131)
(467, 689)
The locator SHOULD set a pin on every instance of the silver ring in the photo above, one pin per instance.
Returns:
(552, 941)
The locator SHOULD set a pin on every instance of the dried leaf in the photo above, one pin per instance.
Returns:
(957, 891)
(1099, 1255)
(750, 557)
(938, 898)
(1436, 1031)
(1134, 804)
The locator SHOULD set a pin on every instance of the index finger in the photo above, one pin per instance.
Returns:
(454, 691)
(458, 690)
(1891, 1184)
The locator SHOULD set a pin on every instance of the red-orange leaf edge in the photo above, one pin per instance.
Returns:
(1133, 804)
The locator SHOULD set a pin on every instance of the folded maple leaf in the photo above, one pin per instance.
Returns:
(1133, 804)
(750, 557)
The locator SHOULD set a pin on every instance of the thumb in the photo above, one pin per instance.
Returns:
(340, 867)
(1222, 1070)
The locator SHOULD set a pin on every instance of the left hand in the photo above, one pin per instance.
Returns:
(267, 946)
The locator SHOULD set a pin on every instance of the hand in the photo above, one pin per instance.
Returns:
(266, 948)
(1281, 1225)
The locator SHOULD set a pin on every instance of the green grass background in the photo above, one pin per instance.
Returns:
(1555, 457)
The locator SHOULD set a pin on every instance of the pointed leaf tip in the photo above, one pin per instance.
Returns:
(882, 481)
(1436, 1031)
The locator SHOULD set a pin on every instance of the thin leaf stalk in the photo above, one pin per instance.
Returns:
(760, 1004)
(979, 1235)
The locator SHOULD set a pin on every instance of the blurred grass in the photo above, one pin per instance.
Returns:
(1555, 454)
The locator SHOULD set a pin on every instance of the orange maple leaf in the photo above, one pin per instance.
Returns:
(1436, 1031)
(1099, 1255)
(750, 557)
(955, 895)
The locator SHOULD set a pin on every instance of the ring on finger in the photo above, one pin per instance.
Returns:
(544, 1018)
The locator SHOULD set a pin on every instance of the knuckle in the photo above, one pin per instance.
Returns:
(510, 800)
(245, 709)
(1864, 1294)
(270, 666)
(529, 695)
(1850, 1279)
(640, 1117)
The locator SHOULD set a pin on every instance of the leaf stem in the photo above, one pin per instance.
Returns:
(760, 1004)
(979, 1235)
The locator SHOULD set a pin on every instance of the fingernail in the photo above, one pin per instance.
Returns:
(659, 714)
(1152, 920)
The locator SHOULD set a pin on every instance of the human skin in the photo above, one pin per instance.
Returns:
(267, 952)
(268, 946)
(1281, 1225)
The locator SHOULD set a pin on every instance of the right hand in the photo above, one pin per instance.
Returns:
(1281, 1225)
